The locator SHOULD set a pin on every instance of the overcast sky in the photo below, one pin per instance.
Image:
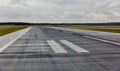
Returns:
(60, 11)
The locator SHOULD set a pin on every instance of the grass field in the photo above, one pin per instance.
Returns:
(113, 29)
(8, 29)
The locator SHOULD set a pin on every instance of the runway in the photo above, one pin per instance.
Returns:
(47, 49)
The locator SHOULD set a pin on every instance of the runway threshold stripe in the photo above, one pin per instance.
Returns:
(56, 47)
(73, 46)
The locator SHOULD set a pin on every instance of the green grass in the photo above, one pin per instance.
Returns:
(113, 29)
(9, 29)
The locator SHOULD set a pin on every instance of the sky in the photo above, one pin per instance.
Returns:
(60, 11)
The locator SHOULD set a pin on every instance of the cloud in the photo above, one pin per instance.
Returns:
(114, 4)
(116, 14)
(60, 10)
(4, 2)
(97, 15)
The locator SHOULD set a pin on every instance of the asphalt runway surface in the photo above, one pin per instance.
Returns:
(46, 49)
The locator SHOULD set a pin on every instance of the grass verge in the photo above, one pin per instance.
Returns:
(9, 29)
(113, 29)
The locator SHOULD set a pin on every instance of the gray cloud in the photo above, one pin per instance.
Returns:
(60, 10)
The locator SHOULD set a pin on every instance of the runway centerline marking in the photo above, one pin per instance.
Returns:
(56, 47)
(73, 46)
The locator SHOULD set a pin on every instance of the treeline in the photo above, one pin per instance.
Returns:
(77, 24)
(14, 23)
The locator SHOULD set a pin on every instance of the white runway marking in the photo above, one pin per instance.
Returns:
(3, 48)
(73, 46)
(102, 40)
(56, 47)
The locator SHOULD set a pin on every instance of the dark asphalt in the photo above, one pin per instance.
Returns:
(31, 52)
